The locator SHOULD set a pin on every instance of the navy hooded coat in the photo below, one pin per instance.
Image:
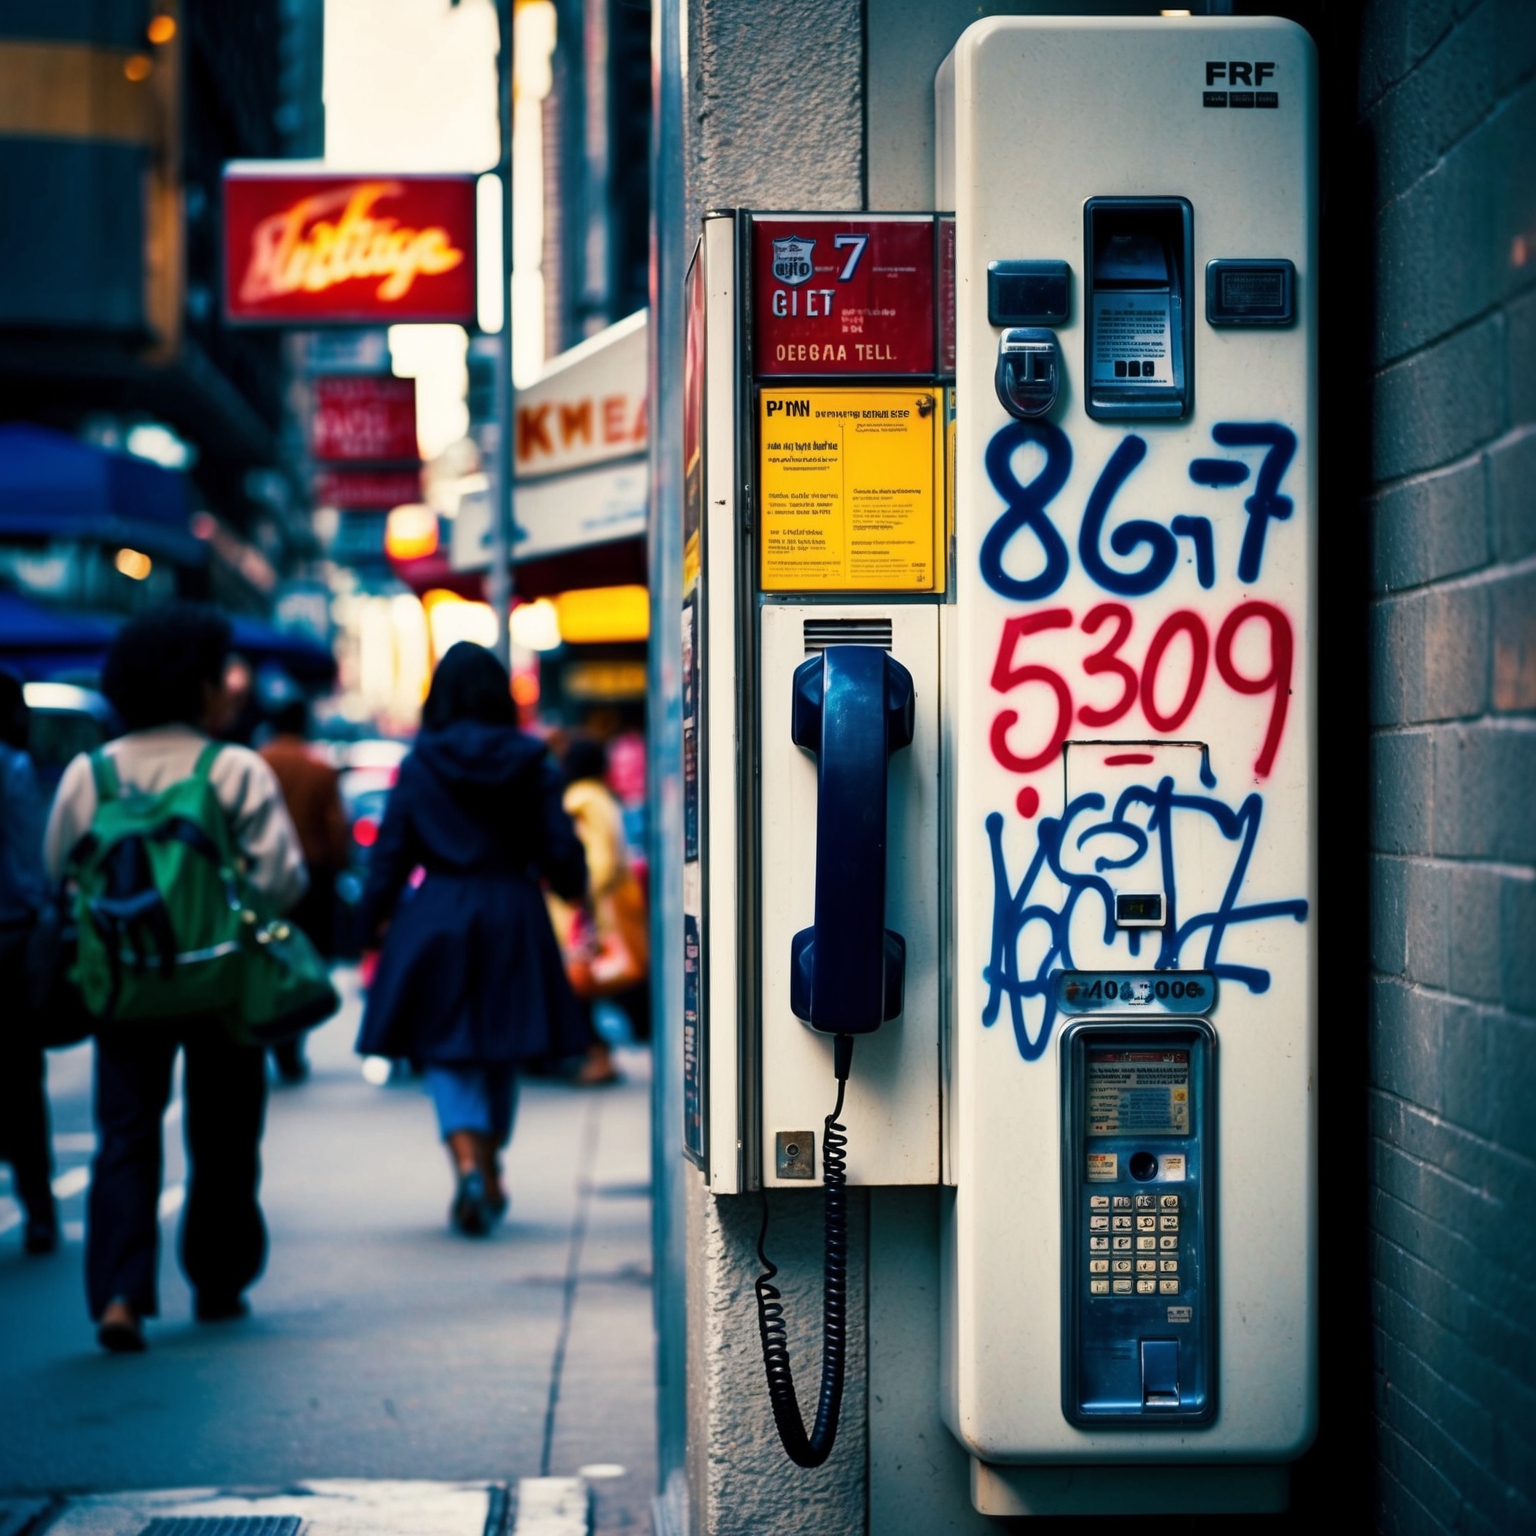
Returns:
(470, 970)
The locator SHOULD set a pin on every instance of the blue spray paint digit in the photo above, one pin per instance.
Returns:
(1266, 502)
(1163, 549)
(1198, 531)
(1026, 509)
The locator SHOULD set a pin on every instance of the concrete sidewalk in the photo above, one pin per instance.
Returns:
(381, 1346)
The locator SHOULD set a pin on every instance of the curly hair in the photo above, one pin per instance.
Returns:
(162, 663)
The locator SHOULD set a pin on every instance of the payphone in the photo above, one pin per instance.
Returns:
(999, 753)
(1130, 660)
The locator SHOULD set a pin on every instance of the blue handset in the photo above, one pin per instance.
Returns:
(853, 707)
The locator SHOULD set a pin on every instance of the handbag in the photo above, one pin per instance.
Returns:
(285, 984)
(611, 956)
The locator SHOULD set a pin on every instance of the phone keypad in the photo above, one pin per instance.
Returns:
(1133, 1245)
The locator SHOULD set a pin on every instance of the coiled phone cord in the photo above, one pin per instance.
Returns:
(813, 1449)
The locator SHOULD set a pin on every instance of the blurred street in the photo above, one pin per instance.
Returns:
(379, 1345)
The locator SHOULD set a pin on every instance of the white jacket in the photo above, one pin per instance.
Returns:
(150, 761)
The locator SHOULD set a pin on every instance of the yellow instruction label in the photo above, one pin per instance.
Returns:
(850, 490)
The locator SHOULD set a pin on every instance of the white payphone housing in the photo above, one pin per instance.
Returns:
(1130, 1268)
(999, 756)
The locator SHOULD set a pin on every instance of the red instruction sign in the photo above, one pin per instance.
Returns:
(364, 417)
(843, 295)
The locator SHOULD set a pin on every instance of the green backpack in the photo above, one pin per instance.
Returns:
(170, 927)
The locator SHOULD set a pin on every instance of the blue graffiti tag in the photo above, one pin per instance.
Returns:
(1279, 444)
(1027, 509)
(1014, 909)
(1162, 548)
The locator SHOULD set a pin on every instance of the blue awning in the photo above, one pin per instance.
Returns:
(304, 659)
(53, 486)
(38, 643)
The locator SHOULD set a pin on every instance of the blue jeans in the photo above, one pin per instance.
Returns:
(474, 1096)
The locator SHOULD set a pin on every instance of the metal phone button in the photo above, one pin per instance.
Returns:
(1098, 1223)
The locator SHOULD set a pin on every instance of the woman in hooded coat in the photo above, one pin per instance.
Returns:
(470, 981)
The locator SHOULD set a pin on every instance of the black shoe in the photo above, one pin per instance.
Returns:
(122, 1334)
(42, 1235)
(471, 1212)
(220, 1309)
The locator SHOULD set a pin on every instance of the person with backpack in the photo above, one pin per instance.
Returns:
(25, 1140)
(470, 983)
(165, 676)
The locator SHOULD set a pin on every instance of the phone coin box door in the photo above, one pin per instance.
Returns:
(1138, 1167)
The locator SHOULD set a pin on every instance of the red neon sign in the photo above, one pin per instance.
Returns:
(348, 250)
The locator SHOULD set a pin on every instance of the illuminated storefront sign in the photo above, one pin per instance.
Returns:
(347, 249)
(366, 489)
(364, 418)
(590, 406)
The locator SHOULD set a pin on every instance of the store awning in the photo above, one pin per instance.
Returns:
(54, 487)
(38, 643)
(582, 476)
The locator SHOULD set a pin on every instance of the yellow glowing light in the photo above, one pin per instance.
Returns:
(134, 564)
(597, 615)
(411, 533)
(451, 618)
(161, 29)
(536, 626)
(137, 67)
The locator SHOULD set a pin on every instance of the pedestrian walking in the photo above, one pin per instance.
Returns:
(25, 1138)
(313, 797)
(611, 943)
(164, 674)
(470, 983)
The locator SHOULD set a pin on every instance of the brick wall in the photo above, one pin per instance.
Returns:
(1448, 102)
